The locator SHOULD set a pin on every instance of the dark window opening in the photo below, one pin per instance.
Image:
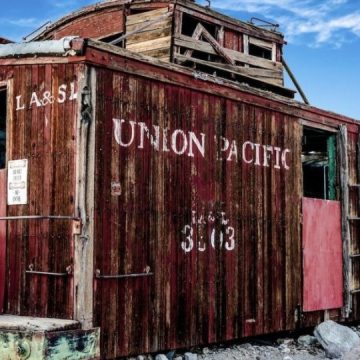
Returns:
(319, 164)
(3, 100)
(258, 51)
(189, 25)
(114, 39)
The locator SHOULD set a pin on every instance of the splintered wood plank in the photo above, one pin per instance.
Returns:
(218, 48)
(151, 45)
(156, 24)
(145, 16)
(270, 76)
(149, 35)
(158, 53)
(196, 36)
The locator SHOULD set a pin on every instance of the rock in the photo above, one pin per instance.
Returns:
(178, 358)
(307, 340)
(190, 356)
(336, 339)
(333, 351)
(161, 357)
(284, 348)
(206, 351)
(140, 357)
(170, 355)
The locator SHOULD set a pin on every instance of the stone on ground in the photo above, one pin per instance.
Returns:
(336, 339)
(307, 340)
(190, 356)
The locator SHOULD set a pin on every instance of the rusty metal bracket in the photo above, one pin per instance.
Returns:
(31, 271)
(98, 275)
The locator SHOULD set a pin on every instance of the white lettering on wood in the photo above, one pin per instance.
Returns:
(180, 142)
(41, 99)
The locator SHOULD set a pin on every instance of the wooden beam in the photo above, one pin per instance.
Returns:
(246, 46)
(149, 35)
(218, 48)
(196, 36)
(85, 202)
(202, 46)
(345, 228)
(252, 73)
(154, 24)
(160, 43)
(178, 22)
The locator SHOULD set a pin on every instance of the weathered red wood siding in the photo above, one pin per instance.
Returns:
(233, 40)
(95, 25)
(198, 297)
(45, 134)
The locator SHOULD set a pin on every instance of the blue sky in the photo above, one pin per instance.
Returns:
(323, 39)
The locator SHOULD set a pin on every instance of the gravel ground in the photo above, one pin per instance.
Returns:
(304, 347)
(288, 350)
(282, 349)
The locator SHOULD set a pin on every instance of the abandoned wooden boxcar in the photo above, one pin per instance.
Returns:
(165, 205)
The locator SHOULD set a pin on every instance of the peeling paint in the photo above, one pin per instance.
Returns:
(69, 345)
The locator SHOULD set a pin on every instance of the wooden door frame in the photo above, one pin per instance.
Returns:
(3, 194)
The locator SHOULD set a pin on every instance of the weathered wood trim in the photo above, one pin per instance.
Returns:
(246, 43)
(9, 84)
(177, 28)
(237, 70)
(85, 203)
(40, 61)
(190, 43)
(274, 52)
(329, 128)
(345, 229)
(260, 43)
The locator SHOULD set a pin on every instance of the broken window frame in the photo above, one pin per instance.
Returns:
(330, 183)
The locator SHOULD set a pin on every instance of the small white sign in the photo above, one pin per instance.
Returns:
(17, 182)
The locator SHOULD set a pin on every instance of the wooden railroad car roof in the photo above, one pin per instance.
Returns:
(182, 32)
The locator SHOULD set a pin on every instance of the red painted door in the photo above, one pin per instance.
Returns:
(2, 237)
(322, 249)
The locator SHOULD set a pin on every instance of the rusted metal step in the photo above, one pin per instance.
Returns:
(43, 338)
